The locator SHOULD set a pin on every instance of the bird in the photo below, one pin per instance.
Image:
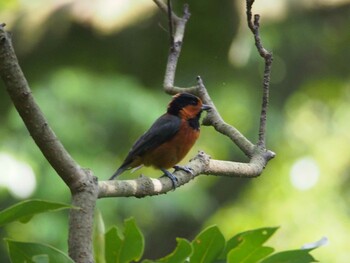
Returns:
(169, 139)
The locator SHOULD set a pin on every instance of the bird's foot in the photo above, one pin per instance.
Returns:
(183, 168)
(172, 177)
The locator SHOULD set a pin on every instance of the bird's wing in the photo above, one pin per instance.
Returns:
(164, 128)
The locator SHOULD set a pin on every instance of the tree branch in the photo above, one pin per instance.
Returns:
(82, 184)
(267, 56)
(38, 127)
(214, 119)
(81, 220)
(200, 164)
(145, 186)
(176, 30)
(170, 21)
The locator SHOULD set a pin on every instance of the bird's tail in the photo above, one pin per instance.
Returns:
(118, 172)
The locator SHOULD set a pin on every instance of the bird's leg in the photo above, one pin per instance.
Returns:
(183, 168)
(172, 177)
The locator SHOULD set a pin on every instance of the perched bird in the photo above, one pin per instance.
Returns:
(169, 139)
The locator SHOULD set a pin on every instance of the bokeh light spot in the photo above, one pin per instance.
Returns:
(18, 177)
(304, 173)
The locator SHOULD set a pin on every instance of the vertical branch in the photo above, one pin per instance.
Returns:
(176, 30)
(170, 21)
(81, 221)
(267, 56)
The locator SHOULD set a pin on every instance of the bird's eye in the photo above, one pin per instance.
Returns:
(194, 102)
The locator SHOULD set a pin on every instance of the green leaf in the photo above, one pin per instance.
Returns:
(247, 247)
(99, 238)
(126, 249)
(208, 245)
(182, 251)
(112, 245)
(133, 242)
(35, 253)
(246, 256)
(291, 256)
(24, 211)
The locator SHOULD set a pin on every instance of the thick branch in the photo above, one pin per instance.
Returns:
(145, 186)
(81, 220)
(38, 127)
(81, 183)
(201, 164)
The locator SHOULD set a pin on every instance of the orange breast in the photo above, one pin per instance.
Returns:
(170, 153)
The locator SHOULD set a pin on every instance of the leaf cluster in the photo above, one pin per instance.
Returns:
(115, 246)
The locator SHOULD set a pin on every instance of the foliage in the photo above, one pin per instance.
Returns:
(208, 246)
(25, 210)
(35, 253)
(126, 249)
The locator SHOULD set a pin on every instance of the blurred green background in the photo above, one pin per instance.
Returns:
(96, 69)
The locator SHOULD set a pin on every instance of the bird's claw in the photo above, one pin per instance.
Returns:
(184, 168)
(172, 177)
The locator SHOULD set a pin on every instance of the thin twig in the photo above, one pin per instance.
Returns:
(214, 119)
(267, 56)
(170, 21)
(249, 14)
(177, 27)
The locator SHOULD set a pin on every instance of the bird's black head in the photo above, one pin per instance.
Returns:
(186, 106)
(182, 100)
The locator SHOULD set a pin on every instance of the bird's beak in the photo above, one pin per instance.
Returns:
(206, 107)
